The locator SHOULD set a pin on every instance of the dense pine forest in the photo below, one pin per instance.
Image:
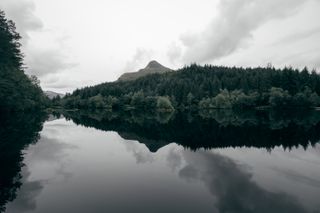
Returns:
(17, 90)
(205, 87)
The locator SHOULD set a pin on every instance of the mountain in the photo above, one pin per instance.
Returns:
(51, 94)
(204, 87)
(151, 68)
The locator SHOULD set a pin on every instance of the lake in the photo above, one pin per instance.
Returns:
(212, 161)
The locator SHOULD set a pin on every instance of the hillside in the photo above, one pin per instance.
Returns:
(51, 94)
(205, 87)
(152, 68)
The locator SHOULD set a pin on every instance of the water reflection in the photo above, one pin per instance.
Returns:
(17, 131)
(232, 187)
(132, 165)
(212, 129)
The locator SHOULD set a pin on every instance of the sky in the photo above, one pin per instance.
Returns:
(71, 44)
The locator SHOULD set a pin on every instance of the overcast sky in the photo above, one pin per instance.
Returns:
(74, 43)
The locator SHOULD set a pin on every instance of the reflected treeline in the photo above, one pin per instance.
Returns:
(17, 131)
(209, 129)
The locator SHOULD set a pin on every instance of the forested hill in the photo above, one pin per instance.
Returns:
(206, 86)
(17, 90)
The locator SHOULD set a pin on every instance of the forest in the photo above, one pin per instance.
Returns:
(224, 128)
(204, 87)
(192, 87)
(18, 91)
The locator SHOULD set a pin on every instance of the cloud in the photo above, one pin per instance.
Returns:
(140, 57)
(232, 186)
(140, 152)
(50, 59)
(44, 62)
(174, 52)
(295, 176)
(308, 58)
(297, 36)
(232, 28)
(28, 192)
(60, 82)
(22, 13)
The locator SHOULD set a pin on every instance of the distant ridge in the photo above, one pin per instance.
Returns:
(51, 94)
(151, 68)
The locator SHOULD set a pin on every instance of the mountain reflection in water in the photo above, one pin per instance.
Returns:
(210, 129)
(218, 161)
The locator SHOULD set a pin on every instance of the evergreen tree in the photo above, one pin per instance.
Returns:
(17, 90)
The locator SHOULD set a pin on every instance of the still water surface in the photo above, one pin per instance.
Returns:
(84, 165)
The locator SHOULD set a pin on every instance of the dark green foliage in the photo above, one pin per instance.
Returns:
(279, 97)
(137, 100)
(209, 129)
(212, 87)
(164, 104)
(9, 43)
(17, 90)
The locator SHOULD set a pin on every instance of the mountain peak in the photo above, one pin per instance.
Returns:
(154, 65)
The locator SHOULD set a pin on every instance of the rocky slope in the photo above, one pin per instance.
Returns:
(152, 67)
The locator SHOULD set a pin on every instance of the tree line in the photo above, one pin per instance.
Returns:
(17, 90)
(205, 87)
(224, 128)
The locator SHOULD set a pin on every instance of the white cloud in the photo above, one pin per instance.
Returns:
(22, 13)
(43, 49)
(77, 43)
(141, 56)
(233, 27)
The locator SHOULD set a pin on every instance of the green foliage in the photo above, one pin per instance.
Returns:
(209, 86)
(279, 97)
(228, 100)
(9, 43)
(245, 101)
(223, 100)
(17, 90)
(210, 128)
(96, 102)
(137, 100)
(164, 103)
(306, 98)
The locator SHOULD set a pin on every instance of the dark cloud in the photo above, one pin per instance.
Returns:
(233, 27)
(232, 186)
